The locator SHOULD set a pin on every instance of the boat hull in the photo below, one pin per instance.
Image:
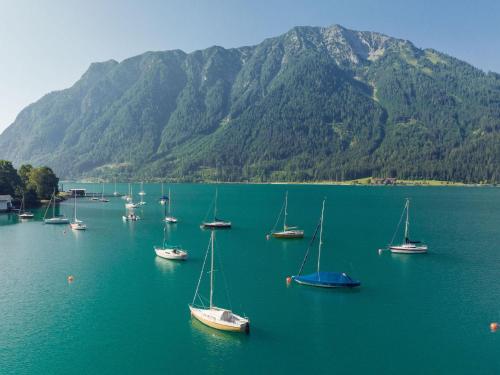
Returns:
(289, 234)
(171, 220)
(327, 280)
(204, 317)
(78, 226)
(26, 216)
(128, 218)
(217, 225)
(171, 254)
(403, 249)
(56, 220)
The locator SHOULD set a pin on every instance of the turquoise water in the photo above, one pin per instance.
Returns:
(127, 311)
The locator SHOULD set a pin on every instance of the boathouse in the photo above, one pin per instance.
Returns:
(5, 203)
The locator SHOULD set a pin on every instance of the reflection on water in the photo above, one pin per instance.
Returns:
(8, 218)
(166, 265)
(219, 340)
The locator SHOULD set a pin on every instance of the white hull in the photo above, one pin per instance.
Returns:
(171, 220)
(171, 253)
(131, 205)
(221, 319)
(408, 249)
(26, 215)
(217, 224)
(78, 226)
(130, 218)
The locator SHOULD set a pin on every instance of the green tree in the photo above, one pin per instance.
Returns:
(10, 183)
(43, 181)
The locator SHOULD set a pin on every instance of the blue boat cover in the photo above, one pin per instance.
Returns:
(327, 279)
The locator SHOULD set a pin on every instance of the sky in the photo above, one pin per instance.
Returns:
(47, 46)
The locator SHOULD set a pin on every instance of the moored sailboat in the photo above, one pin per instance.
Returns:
(163, 198)
(211, 315)
(287, 232)
(168, 217)
(76, 224)
(321, 278)
(171, 252)
(102, 199)
(23, 214)
(216, 223)
(55, 219)
(408, 246)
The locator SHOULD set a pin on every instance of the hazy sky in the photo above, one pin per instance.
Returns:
(48, 45)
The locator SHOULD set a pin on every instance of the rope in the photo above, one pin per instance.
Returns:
(397, 228)
(309, 247)
(278, 219)
(201, 275)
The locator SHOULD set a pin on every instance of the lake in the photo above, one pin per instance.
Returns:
(126, 312)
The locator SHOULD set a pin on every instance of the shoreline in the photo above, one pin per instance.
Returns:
(357, 182)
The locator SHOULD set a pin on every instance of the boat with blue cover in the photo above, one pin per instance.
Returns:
(321, 278)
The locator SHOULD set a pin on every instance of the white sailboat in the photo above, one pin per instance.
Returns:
(130, 203)
(115, 193)
(102, 199)
(142, 203)
(169, 218)
(216, 223)
(170, 251)
(163, 198)
(76, 224)
(23, 214)
(60, 219)
(408, 246)
(287, 232)
(142, 192)
(213, 316)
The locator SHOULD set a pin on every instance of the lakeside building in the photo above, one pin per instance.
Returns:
(5, 203)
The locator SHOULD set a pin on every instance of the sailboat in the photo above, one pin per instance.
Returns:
(169, 251)
(130, 203)
(163, 198)
(213, 316)
(216, 223)
(102, 199)
(76, 224)
(142, 203)
(287, 232)
(23, 214)
(61, 219)
(169, 218)
(130, 216)
(142, 192)
(322, 278)
(115, 193)
(408, 246)
(127, 197)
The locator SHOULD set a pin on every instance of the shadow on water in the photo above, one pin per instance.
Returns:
(220, 338)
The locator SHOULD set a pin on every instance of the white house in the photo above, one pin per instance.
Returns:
(5, 203)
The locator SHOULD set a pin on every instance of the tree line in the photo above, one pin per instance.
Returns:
(34, 183)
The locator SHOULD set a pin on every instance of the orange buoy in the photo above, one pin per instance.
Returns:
(494, 326)
(288, 280)
(70, 278)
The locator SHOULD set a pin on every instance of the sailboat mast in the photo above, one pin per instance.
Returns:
(74, 208)
(321, 234)
(286, 212)
(102, 192)
(407, 224)
(54, 206)
(212, 270)
(169, 200)
(215, 206)
(115, 186)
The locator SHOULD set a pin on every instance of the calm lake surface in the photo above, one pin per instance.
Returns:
(127, 310)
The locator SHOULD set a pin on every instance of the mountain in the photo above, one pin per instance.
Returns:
(312, 104)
